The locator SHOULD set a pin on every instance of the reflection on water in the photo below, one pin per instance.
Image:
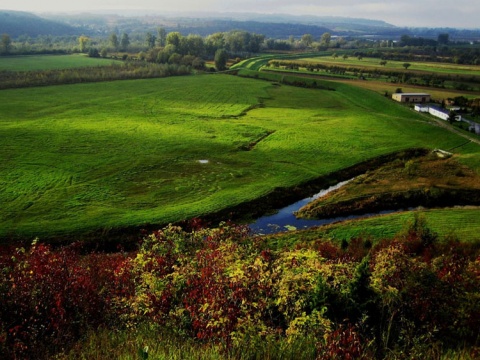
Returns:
(284, 220)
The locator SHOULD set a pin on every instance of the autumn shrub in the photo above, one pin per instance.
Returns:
(344, 342)
(413, 297)
(425, 296)
(49, 298)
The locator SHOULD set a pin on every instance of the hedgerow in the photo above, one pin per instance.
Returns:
(124, 71)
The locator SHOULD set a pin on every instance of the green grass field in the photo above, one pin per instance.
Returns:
(50, 62)
(459, 223)
(85, 157)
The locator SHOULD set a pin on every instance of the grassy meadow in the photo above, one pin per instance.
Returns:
(50, 62)
(79, 158)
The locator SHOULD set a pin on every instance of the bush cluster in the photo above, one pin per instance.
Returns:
(413, 295)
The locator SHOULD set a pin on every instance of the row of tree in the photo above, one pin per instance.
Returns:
(469, 55)
(235, 42)
(123, 71)
(459, 82)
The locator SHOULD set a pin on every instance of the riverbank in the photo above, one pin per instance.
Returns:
(429, 181)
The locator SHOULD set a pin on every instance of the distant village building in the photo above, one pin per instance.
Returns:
(411, 97)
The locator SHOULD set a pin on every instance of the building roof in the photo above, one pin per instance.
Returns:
(439, 109)
(414, 94)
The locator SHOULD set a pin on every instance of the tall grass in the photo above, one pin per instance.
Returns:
(154, 343)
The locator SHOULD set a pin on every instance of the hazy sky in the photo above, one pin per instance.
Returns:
(428, 13)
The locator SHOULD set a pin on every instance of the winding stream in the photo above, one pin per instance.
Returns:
(284, 220)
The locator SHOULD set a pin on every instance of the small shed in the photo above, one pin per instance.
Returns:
(411, 97)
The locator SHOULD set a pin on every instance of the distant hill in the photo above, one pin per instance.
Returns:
(283, 25)
(279, 26)
(327, 21)
(270, 30)
(272, 26)
(16, 23)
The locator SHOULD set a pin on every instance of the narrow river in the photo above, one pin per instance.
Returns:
(284, 220)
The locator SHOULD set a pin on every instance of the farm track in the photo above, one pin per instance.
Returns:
(450, 128)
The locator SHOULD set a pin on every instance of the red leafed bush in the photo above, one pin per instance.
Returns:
(50, 297)
(344, 343)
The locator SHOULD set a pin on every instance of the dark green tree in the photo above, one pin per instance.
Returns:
(443, 38)
(124, 42)
(93, 52)
(5, 44)
(194, 45)
(150, 40)
(174, 38)
(307, 40)
(235, 41)
(326, 38)
(175, 58)
(114, 41)
(221, 58)
(214, 42)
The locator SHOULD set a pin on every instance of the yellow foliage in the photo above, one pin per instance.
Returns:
(314, 324)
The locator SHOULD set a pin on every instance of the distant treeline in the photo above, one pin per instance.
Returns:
(460, 82)
(445, 54)
(125, 71)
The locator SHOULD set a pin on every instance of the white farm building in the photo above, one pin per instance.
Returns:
(439, 112)
(411, 97)
(422, 108)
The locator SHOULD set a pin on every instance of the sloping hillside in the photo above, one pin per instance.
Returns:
(16, 23)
